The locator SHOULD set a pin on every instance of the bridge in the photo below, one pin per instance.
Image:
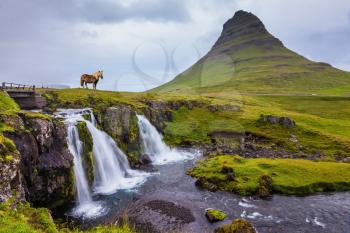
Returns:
(24, 95)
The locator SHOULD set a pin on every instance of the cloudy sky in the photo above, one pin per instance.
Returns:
(140, 44)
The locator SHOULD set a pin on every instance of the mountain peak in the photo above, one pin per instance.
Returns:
(247, 58)
(242, 25)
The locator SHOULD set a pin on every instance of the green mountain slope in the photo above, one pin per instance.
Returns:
(247, 58)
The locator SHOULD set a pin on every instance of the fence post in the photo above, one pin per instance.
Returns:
(3, 85)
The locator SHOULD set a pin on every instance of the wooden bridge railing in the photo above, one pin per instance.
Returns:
(14, 86)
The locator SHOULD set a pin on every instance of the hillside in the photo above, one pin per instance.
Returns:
(247, 58)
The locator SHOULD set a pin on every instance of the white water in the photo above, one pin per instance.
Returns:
(154, 146)
(86, 207)
(111, 167)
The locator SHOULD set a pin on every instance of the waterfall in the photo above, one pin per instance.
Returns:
(154, 146)
(86, 207)
(75, 147)
(111, 167)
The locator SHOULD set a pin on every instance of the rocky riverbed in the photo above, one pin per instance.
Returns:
(169, 201)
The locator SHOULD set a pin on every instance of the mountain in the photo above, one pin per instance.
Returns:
(247, 58)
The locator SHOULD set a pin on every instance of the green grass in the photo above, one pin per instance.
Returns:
(25, 219)
(289, 176)
(322, 123)
(7, 105)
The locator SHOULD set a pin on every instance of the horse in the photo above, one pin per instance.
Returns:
(88, 78)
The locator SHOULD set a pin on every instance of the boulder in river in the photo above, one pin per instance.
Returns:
(236, 226)
(158, 216)
(215, 215)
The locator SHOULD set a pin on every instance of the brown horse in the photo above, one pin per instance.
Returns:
(88, 78)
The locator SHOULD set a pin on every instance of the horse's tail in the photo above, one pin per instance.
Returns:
(82, 80)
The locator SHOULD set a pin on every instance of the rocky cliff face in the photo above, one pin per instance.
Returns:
(10, 178)
(120, 122)
(46, 165)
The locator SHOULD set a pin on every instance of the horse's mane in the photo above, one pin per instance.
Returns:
(96, 74)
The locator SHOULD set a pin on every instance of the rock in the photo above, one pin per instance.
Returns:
(346, 160)
(120, 122)
(293, 138)
(215, 215)
(284, 121)
(265, 186)
(48, 110)
(46, 164)
(236, 226)
(155, 215)
(233, 108)
(203, 183)
(226, 170)
(42, 130)
(10, 175)
(213, 108)
(145, 159)
(287, 122)
(230, 176)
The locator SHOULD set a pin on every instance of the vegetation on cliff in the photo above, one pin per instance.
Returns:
(87, 156)
(289, 176)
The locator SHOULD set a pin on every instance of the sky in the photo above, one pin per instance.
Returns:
(140, 44)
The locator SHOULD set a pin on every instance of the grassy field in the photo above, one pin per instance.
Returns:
(322, 122)
(289, 176)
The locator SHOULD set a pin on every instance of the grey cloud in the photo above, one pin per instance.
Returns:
(106, 11)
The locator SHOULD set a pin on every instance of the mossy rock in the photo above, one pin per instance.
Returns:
(236, 226)
(215, 215)
(265, 186)
(87, 155)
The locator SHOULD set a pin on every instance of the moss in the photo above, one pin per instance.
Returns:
(87, 117)
(262, 176)
(264, 185)
(215, 215)
(8, 158)
(87, 156)
(7, 104)
(25, 218)
(236, 226)
(34, 115)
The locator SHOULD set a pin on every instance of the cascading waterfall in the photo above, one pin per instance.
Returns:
(86, 207)
(154, 146)
(111, 167)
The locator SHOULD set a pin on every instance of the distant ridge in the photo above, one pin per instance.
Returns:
(247, 58)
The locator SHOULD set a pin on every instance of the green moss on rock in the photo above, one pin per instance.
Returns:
(215, 215)
(236, 226)
(264, 176)
(265, 186)
(87, 156)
